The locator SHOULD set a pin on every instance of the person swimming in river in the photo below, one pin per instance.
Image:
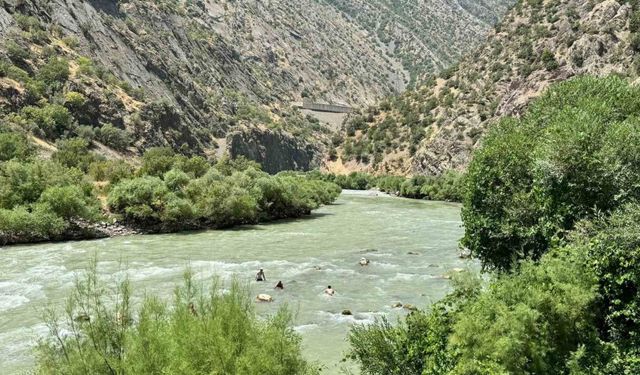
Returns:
(329, 291)
(279, 285)
(260, 276)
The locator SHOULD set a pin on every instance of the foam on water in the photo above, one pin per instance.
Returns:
(305, 327)
(11, 301)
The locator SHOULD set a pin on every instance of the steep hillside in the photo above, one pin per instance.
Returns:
(191, 74)
(426, 36)
(436, 127)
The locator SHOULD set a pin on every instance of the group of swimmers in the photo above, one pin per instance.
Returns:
(260, 276)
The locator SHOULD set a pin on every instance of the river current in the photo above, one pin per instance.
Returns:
(411, 244)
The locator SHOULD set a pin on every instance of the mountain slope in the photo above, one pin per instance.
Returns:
(426, 36)
(436, 127)
(207, 75)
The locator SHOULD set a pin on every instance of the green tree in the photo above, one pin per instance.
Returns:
(566, 160)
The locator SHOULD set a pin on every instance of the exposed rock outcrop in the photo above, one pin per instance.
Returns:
(275, 150)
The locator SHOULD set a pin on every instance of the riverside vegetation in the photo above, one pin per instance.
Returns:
(46, 199)
(448, 186)
(201, 332)
(552, 206)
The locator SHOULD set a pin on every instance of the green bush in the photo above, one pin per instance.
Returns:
(227, 166)
(16, 52)
(38, 198)
(86, 132)
(139, 199)
(74, 100)
(69, 202)
(530, 322)
(157, 161)
(14, 146)
(113, 171)
(23, 183)
(195, 166)
(573, 155)
(21, 223)
(212, 332)
(549, 60)
(111, 136)
(615, 256)
(176, 179)
(52, 119)
(54, 73)
(74, 152)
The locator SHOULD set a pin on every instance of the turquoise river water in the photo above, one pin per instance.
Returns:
(306, 254)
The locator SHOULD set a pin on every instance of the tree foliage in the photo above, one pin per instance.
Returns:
(573, 155)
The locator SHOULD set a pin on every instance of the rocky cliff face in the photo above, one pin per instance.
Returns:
(426, 36)
(275, 150)
(436, 127)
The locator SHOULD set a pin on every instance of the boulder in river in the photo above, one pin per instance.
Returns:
(264, 298)
(346, 312)
(465, 253)
(410, 307)
(413, 253)
(397, 305)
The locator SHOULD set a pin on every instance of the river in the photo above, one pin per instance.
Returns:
(306, 254)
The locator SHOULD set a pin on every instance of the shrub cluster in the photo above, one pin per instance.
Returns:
(201, 332)
(38, 198)
(176, 192)
(446, 187)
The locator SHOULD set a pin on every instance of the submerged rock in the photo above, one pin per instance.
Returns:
(397, 305)
(346, 312)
